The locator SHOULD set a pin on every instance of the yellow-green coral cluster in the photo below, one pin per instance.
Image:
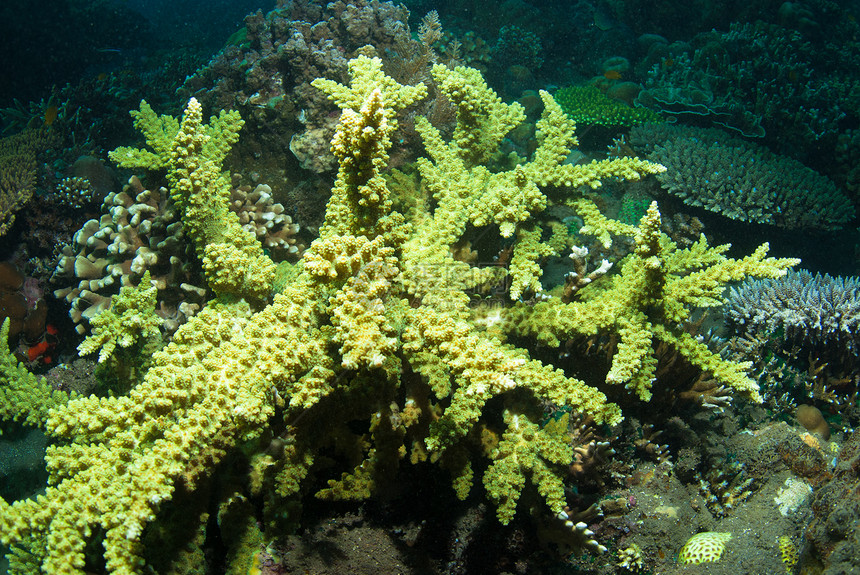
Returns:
(369, 350)
(509, 198)
(360, 203)
(589, 106)
(192, 152)
(130, 318)
(23, 396)
(360, 312)
(527, 450)
(658, 288)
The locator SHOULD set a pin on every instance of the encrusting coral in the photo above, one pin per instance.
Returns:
(372, 325)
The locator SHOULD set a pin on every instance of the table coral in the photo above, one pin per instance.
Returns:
(741, 180)
(369, 352)
(820, 312)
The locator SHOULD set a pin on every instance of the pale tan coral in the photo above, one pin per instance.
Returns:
(742, 180)
(260, 214)
(139, 231)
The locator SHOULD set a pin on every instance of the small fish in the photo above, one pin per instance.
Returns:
(51, 114)
(612, 75)
(36, 351)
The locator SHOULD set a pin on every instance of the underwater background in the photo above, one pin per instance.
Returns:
(429, 287)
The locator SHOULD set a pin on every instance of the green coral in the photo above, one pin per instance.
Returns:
(368, 352)
(24, 397)
(656, 292)
(130, 318)
(192, 153)
(633, 207)
(527, 450)
(589, 106)
(159, 132)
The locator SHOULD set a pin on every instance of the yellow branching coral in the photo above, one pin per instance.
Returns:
(360, 204)
(361, 312)
(23, 396)
(233, 259)
(368, 77)
(159, 132)
(598, 225)
(130, 317)
(555, 132)
(482, 118)
(525, 264)
(510, 198)
(528, 449)
(128, 453)
(371, 326)
(658, 288)
(483, 368)
(192, 152)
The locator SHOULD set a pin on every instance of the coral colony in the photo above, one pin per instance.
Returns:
(509, 299)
